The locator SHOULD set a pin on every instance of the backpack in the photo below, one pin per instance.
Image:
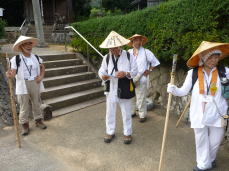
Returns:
(18, 61)
(222, 75)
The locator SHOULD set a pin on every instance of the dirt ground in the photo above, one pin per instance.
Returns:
(74, 142)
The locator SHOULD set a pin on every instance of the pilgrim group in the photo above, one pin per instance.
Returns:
(125, 75)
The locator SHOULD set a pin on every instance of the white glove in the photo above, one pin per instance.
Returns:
(171, 88)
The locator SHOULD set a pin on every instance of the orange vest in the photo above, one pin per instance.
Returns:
(212, 87)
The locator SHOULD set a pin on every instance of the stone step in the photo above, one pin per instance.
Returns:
(74, 98)
(70, 88)
(51, 72)
(78, 106)
(67, 79)
(58, 57)
(46, 35)
(62, 63)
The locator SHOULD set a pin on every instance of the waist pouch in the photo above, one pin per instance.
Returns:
(126, 88)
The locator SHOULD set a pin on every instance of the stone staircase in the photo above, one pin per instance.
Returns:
(69, 86)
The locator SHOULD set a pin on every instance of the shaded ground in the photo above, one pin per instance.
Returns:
(74, 142)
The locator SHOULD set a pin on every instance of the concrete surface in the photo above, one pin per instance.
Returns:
(50, 50)
(74, 142)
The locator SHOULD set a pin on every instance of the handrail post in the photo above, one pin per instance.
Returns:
(65, 40)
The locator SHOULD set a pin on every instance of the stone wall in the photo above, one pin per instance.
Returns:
(159, 79)
(5, 108)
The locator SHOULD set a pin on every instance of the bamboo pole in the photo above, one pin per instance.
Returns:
(13, 106)
(167, 112)
(184, 111)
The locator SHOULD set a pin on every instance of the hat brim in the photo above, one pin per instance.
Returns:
(114, 40)
(194, 60)
(17, 48)
(144, 40)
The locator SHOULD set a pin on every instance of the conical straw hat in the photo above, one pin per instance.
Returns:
(204, 48)
(24, 39)
(114, 40)
(144, 39)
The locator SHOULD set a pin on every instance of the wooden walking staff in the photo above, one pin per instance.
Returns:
(13, 106)
(167, 112)
(184, 111)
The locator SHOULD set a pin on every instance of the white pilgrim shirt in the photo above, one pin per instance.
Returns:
(24, 72)
(124, 64)
(143, 59)
(211, 115)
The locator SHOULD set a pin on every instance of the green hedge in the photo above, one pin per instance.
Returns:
(2, 25)
(176, 26)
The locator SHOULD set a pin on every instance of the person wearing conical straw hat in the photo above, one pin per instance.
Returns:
(29, 71)
(117, 70)
(208, 108)
(146, 61)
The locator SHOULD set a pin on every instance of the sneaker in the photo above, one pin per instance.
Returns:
(142, 120)
(133, 115)
(197, 169)
(127, 139)
(40, 124)
(214, 164)
(25, 129)
(109, 138)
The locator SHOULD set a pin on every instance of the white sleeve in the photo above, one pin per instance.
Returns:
(103, 68)
(13, 63)
(227, 72)
(186, 87)
(151, 58)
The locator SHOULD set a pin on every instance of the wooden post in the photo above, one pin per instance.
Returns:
(13, 106)
(184, 111)
(167, 112)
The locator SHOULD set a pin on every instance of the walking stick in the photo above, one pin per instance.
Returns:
(13, 106)
(184, 111)
(167, 112)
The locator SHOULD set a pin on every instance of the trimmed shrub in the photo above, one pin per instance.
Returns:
(2, 25)
(176, 26)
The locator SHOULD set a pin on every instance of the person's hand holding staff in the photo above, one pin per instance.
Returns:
(167, 112)
(13, 104)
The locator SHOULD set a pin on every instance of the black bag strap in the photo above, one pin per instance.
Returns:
(38, 59)
(194, 76)
(107, 59)
(221, 71)
(18, 60)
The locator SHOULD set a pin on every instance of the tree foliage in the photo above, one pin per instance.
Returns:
(176, 26)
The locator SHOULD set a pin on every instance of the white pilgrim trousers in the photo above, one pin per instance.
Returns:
(208, 140)
(125, 106)
(139, 102)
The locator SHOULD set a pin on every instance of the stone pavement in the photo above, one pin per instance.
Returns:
(74, 142)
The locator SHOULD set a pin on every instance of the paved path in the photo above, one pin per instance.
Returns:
(50, 50)
(74, 142)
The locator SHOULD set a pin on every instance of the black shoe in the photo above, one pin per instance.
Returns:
(142, 120)
(133, 115)
(109, 138)
(197, 169)
(25, 129)
(214, 164)
(127, 139)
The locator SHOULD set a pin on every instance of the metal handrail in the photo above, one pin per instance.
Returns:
(70, 27)
(22, 25)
